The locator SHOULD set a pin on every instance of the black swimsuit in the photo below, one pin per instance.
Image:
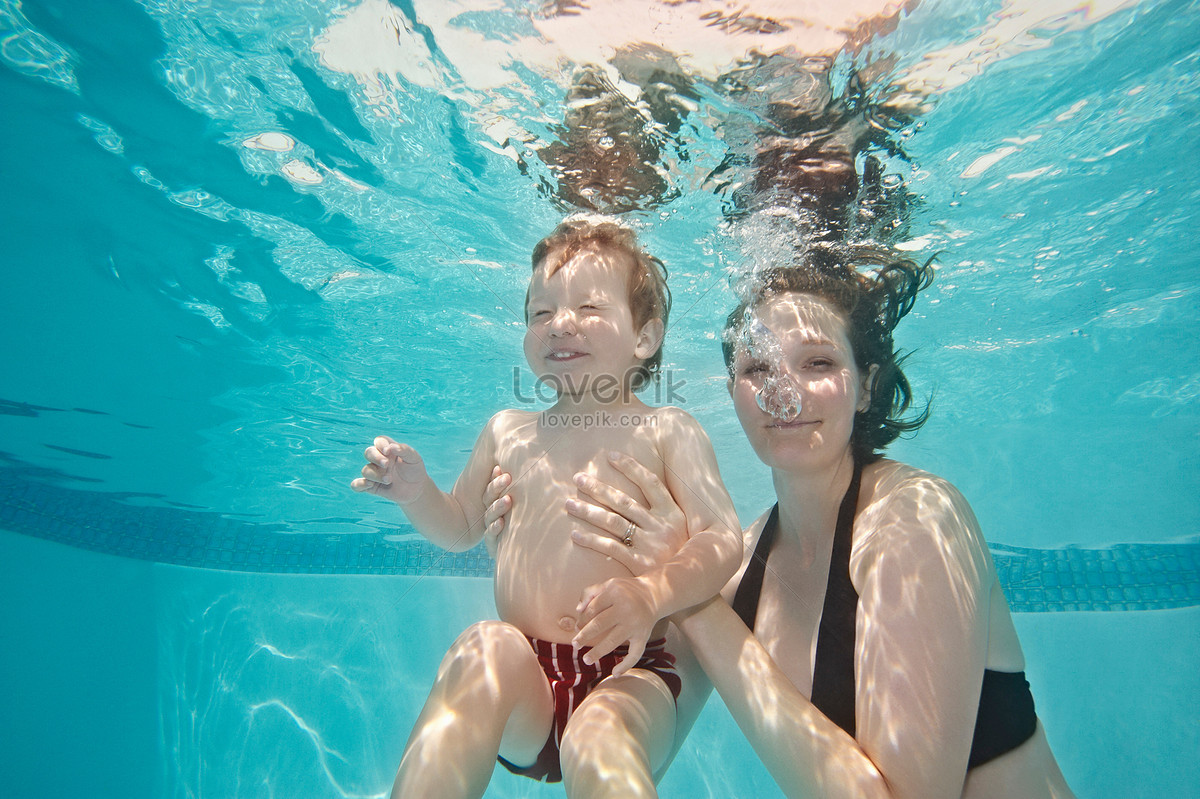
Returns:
(1006, 717)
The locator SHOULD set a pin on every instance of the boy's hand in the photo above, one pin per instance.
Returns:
(617, 611)
(393, 470)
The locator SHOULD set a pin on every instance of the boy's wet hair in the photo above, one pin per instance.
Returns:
(649, 297)
(871, 305)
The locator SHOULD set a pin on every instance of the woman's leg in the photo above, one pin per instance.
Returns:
(490, 697)
(618, 737)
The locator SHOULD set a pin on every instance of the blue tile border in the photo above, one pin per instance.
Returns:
(1120, 577)
(1116, 578)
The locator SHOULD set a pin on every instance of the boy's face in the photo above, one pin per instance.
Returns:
(580, 336)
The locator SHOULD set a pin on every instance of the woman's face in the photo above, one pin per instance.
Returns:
(814, 354)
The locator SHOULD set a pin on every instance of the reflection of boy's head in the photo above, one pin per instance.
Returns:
(648, 295)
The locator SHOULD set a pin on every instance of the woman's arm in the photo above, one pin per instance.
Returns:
(806, 753)
(921, 642)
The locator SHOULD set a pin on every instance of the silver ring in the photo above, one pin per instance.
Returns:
(628, 539)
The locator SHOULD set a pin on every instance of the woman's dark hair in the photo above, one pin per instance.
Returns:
(871, 305)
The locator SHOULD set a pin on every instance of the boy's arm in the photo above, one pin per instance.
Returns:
(449, 520)
(713, 551)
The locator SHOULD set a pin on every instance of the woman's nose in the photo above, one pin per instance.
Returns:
(780, 396)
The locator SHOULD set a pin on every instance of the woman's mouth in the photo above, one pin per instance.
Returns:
(562, 356)
(793, 424)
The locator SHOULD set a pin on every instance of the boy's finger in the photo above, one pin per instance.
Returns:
(365, 486)
(607, 644)
(585, 600)
(592, 631)
(636, 650)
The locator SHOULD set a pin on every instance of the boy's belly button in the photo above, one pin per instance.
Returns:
(567, 623)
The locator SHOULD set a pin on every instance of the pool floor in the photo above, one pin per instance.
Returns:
(131, 679)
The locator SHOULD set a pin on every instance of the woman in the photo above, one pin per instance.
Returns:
(883, 660)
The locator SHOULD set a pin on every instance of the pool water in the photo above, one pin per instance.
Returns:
(241, 239)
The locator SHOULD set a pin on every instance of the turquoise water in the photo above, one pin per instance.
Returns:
(234, 253)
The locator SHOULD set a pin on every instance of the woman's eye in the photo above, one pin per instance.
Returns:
(821, 363)
(753, 368)
(539, 314)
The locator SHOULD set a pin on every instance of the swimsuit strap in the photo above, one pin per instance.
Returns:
(745, 601)
(833, 671)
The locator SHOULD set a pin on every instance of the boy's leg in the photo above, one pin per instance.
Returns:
(618, 737)
(490, 697)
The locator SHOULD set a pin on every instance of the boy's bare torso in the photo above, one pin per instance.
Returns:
(540, 573)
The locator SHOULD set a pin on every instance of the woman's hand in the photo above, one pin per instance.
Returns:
(497, 504)
(641, 539)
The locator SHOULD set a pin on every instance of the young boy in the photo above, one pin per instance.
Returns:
(596, 311)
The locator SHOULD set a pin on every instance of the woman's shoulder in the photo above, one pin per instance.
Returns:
(891, 480)
(902, 501)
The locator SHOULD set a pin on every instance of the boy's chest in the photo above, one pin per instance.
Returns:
(546, 458)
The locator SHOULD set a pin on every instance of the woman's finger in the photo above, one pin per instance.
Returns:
(647, 481)
(496, 502)
(601, 518)
(495, 513)
(496, 486)
(608, 546)
(614, 500)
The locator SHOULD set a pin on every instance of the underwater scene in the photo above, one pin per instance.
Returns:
(244, 238)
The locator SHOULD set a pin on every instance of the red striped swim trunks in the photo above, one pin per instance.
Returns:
(571, 680)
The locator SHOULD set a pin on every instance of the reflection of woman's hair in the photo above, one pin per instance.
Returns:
(871, 305)
(649, 297)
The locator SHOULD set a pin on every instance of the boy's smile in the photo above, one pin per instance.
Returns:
(580, 326)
